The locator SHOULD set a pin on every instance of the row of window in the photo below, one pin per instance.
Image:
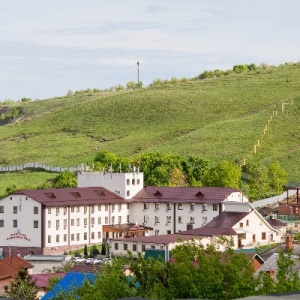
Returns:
(15, 209)
(157, 206)
(85, 221)
(134, 247)
(73, 237)
(15, 223)
(133, 181)
(85, 208)
(169, 219)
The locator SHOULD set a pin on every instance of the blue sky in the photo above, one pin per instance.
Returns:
(50, 47)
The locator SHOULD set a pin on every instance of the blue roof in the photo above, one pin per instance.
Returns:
(68, 283)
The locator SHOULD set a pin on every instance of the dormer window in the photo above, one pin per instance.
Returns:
(204, 207)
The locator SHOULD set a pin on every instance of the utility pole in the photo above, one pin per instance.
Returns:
(138, 71)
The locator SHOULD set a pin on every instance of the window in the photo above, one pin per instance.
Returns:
(57, 238)
(49, 238)
(143, 248)
(128, 218)
(57, 210)
(112, 207)
(125, 247)
(157, 206)
(57, 224)
(116, 246)
(146, 219)
(192, 220)
(65, 237)
(146, 205)
(247, 222)
(92, 221)
(99, 207)
(204, 220)
(128, 205)
(49, 210)
(180, 206)
(35, 210)
(106, 220)
(78, 208)
(204, 207)
(169, 206)
(77, 236)
(93, 235)
(113, 220)
(5, 288)
(35, 224)
(65, 223)
(241, 225)
(92, 209)
(1, 209)
(49, 224)
(72, 208)
(99, 220)
(215, 207)
(85, 236)
(15, 209)
(72, 237)
(128, 193)
(242, 236)
(263, 235)
(179, 219)
(156, 219)
(65, 210)
(169, 219)
(72, 222)
(192, 207)
(78, 221)
(119, 207)
(156, 232)
(138, 181)
(106, 207)
(99, 235)
(152, 246)
(169, 232)
(133, 181)
(128, 181)
(1, 223)
(85, 221)
(133, 247)
(119, 219)
(85, 209)
(15, 223)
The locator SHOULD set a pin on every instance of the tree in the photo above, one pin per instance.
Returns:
(177, 178)
(85, 251)
(65, 179)
(23, 287)
(225, 174)
(277, 176)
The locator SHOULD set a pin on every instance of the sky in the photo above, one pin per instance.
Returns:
(50, 47)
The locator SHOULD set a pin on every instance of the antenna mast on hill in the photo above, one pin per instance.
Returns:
(138, 71)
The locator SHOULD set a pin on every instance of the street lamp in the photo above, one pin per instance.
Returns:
(138, 71)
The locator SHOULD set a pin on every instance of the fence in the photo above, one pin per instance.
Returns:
(272, 200)
(39, 166)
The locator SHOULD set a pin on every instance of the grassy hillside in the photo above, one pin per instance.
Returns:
(220, 118)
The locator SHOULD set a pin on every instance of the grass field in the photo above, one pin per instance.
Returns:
(219, 118)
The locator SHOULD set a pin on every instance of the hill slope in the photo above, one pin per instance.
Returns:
(220, 118)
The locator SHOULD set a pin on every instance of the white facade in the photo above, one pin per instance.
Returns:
(126, 185)
(20, 222)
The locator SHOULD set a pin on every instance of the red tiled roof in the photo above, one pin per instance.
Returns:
(204, 231)
(10, 266)
(73, 196)
(41, 280)
(158, 239)
(183, 194)
(276, 223)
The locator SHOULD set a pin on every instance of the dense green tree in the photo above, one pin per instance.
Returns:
(85, 251)
(277, 176)
(65, 179)
(22, 287)
(225, 174)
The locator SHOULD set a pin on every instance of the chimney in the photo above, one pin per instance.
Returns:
(271, 273)
(270, 216)
(288, 243)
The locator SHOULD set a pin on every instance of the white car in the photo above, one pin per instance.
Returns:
(79, 259)
(89, 261)
(97, 261)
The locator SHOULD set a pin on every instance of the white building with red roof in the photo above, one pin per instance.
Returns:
(107, 206)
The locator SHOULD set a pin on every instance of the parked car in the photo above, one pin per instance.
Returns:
(106, 260)
(78, 259)
(97, 261)
(89, 261)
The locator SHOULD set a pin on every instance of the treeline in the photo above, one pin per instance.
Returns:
(194, 272)
(256, 180)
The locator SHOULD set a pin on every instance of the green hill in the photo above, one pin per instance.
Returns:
(218, 118)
